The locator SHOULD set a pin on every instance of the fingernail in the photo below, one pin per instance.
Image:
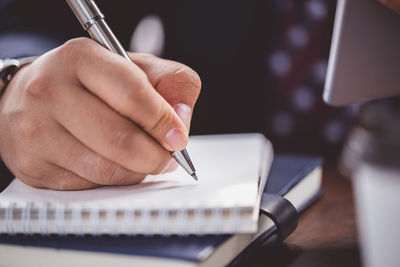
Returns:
(175, 139)
(184, 112)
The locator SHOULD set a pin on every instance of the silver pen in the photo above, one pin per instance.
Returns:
(93, 22)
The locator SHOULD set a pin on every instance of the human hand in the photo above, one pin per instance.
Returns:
(393, 4)
(80, 116)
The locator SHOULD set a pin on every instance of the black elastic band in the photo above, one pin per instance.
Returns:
(281, 212)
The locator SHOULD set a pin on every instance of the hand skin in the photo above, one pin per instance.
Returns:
(393, 4)
(80, 116)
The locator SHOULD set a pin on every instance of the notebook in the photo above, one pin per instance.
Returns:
(232, 171)
(297, 178)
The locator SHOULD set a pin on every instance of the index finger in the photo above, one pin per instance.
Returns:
(124, 87)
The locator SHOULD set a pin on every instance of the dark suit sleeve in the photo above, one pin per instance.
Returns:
(30, 28)
(5, 176)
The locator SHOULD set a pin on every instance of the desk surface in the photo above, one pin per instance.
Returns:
(326, 234)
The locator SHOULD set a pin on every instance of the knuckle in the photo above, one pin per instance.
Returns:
(73, 45)
(40, 86)
(71, 51)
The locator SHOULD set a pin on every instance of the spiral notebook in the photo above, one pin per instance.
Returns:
(232, 171)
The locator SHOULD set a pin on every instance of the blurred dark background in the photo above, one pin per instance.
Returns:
(262, 63)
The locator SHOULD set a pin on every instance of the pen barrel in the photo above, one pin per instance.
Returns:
(101, 33)
(92, 20)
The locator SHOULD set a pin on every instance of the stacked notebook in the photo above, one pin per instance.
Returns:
(232, 170)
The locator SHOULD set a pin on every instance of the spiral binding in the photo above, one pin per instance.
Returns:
(43, 218)
(9, 218)
(94, 220)
(61, 218)
(60, 211)
(27, 218)
(77, 219)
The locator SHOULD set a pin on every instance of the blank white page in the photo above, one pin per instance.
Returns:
(228, 167)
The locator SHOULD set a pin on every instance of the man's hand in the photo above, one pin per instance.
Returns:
(393, 4)
(80, 116)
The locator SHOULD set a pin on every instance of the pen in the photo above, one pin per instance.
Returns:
(93, 21)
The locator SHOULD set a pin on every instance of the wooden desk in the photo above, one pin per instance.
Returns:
(326, 234)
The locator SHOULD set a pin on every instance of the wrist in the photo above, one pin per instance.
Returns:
(9, 67)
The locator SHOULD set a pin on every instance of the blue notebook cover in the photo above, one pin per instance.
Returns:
(286, 172)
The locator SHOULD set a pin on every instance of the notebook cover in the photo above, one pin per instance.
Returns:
(285, 173)
(288, 170)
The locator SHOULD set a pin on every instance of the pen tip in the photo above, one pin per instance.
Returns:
(195, 176)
